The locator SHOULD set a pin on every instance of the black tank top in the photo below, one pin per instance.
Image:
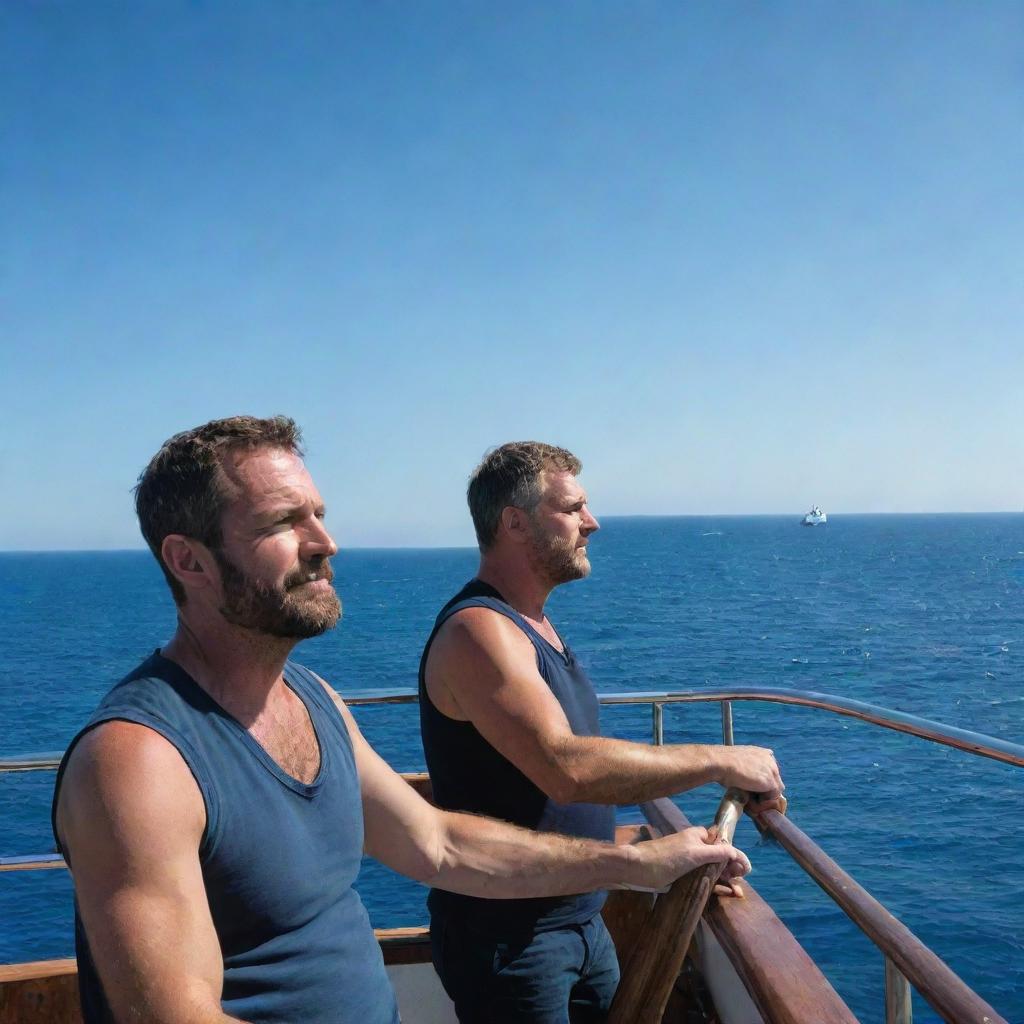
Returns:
(468, 774)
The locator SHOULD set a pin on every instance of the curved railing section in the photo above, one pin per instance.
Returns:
(886, 718)
(905, 956)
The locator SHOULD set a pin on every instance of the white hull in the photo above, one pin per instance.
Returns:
(421, 997)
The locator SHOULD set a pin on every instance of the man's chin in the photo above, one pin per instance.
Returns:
(318, 615)
(301, 628)
(298, 620)
(574, 570)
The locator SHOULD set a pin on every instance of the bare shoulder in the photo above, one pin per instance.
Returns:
(119, 753)
(125, 775)
(481, 632)
(474, 652)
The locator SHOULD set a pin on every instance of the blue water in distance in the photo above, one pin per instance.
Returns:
(920, 613)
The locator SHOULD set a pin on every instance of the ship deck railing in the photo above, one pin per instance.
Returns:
(908, 961)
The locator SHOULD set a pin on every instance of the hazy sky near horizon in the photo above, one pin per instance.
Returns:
(739, 257)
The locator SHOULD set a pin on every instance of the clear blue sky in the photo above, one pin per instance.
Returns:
(740, 257)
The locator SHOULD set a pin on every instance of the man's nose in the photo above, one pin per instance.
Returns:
(588, 522)
(318, 540)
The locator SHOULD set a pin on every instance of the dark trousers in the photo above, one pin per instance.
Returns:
(565, 976)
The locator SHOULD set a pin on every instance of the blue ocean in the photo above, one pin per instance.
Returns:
(920, 613)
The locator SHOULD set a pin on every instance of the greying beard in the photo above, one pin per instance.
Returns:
(556, 560)
(275, 611)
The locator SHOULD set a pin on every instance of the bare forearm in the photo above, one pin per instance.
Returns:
(160, 1008)
(156, 1002)
(202, 1017)
(483, 857)
(606, 771)
(597, 770)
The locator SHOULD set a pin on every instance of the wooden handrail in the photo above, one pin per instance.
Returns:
(34, 862)
(951, 998)
(37, 969)
(657, 959)
(785, 984)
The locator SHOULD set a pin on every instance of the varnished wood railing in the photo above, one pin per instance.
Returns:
(783, 982)
(649, 974)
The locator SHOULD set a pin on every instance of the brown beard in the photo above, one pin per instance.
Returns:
(556, 560)
(278, 611)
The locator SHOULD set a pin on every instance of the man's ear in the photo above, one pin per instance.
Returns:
(513, 522)
(189, 561)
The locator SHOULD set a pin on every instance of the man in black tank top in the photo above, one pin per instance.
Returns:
(509, 725)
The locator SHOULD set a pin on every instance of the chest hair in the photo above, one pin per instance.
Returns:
(286, 733)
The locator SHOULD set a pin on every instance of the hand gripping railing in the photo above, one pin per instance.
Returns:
(905, 956)
(657, 958)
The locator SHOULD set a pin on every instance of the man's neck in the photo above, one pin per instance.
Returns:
(238, 668)
(518, 586)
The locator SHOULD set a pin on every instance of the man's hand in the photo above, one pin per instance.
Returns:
(661, 861)
(752, 769)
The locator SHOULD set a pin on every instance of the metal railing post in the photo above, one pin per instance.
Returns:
(898, 1009)
(727, 722)
(658, 724)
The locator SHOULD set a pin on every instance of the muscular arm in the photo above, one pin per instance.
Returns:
(482, 857)
(130, 820)
(482, 669)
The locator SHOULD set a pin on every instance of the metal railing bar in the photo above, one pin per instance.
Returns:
(727, 734)
(936, 982)
(31, 762)
(898, 721)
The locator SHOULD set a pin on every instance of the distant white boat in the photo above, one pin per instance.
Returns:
(816, 517)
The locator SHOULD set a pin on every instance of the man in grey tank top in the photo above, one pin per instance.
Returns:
(502, 696)
(215, 808)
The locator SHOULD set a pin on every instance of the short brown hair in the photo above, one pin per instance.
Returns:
(510, 475)
(183, 489)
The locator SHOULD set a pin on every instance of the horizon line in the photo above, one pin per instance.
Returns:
(472, 547)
